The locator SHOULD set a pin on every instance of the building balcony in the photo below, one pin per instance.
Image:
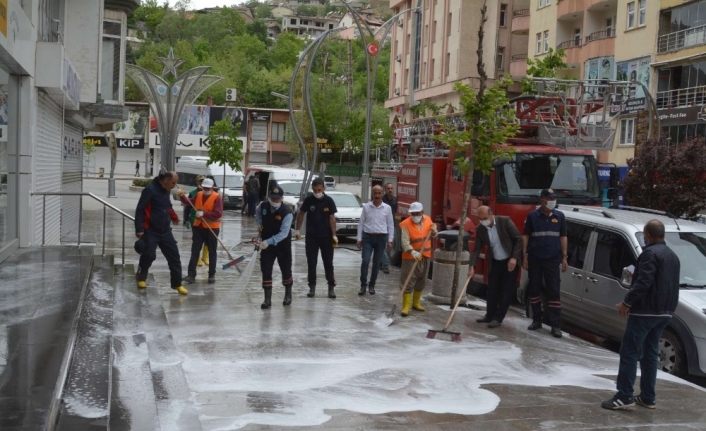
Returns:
(566, 8)
(599, 44)
(600, 35)
(127, 6)
(572, 51)
(681, 39)
(518, 65)
(681, 97)
(520, 21)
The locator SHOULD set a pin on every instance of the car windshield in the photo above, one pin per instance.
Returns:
(690, 247)
(232, 181)
(570, 176)
(346, 200)
(291, 189)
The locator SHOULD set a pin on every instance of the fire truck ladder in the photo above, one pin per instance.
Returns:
(573, 114)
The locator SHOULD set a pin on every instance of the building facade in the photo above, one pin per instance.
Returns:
(61, 72)
(435, 47)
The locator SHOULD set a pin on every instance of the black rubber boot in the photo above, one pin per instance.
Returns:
(331, 293)
(362, 290)
(268, 298)
(312, 292)
(287, 295)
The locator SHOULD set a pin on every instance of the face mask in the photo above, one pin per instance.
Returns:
(417, 219)
(319, 195)
(207, 192)
(485, 222)
(275, 205)
(551, 204)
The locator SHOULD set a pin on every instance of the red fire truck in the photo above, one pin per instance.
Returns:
(560, 127)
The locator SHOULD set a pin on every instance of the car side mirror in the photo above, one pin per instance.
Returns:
(626, 279)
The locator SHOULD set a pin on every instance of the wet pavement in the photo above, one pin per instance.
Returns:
(213, 360)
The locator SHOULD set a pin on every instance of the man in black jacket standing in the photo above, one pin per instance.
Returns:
(505, 250)
(153, 216)
(648, 305)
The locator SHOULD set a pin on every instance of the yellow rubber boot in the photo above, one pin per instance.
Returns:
(406, 304)
(182, 290)
(141, 284)
(417, 301)
(204, 255)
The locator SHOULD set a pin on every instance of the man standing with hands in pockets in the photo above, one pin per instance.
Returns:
(376, 230)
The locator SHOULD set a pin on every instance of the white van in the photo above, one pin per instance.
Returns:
(189, 167)
(269, 173)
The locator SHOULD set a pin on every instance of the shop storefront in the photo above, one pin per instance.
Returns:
(8, 162)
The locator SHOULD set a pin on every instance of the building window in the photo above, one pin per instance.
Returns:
(544, 3)
(500, 58)
(631, 15)
(431, 71)
(110, 60)
(279, 132)
(448, 63)
(293, 21)
(433, 32)
(538, 48)
(503, 15)
(642, 12)
(448, 25)
(546, 41)
(627, 131)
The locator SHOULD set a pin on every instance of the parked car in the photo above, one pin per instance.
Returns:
(603, 245)
(230, 182)
(329, 182)
(291, 191)
(349, 209)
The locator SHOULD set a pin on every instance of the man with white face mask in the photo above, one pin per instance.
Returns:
(208, 211)
(545, 245)
(414, 230)
(274, 221)
(505, 243)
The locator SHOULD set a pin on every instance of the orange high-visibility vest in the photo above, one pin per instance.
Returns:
(417, 233)
(207, 206)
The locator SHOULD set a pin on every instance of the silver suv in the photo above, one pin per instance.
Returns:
(603, 247)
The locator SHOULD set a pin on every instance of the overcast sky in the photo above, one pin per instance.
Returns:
(200, 4)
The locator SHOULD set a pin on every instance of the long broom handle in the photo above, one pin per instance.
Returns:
(209, 228)
(458, 301)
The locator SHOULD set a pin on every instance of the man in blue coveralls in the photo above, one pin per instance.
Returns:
(544, 252)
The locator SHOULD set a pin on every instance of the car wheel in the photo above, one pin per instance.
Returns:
(671, 354)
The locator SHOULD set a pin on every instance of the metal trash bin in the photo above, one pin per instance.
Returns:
(444, 262)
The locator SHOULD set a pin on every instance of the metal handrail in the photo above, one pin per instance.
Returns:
(80, 216)
(571, 43)
(682, 39)
(517, 57)
(607, 33)
(690, 96)
(520, 12)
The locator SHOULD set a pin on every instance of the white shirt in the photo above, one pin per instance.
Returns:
(499, 253)
(376, 220)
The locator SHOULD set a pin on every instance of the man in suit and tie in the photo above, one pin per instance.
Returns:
(505, 251)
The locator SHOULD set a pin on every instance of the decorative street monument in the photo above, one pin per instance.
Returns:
(167, 100)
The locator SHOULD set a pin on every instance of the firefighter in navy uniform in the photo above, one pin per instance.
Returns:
(274, 220)
(545, 253)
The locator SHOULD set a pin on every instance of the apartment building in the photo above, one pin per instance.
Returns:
(435, 47)
(312, 26)
(61, 73)
(680, 69)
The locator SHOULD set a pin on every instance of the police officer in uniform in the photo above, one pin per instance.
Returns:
(320, 212)
(274, 220)
(544, 252)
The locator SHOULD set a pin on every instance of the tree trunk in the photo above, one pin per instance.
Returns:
(470, 158)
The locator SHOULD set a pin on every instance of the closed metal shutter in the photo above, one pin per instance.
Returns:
(71, 181)
(46, 168)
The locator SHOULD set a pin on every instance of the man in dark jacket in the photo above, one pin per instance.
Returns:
(649, 305)
(505, 250)
(153, 216)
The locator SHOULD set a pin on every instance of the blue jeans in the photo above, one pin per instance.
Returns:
(385, 262)
(372, 243)
(640, 344)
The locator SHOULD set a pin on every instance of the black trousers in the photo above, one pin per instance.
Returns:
(203, 236)
(544, 280)
(166, 242)
(281, 252)
(501, 286)
(313, 245)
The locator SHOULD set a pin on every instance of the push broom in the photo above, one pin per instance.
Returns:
(453, 336)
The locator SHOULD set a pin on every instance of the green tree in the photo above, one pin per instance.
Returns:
(224, 147)
(490, 123)
(545, 67)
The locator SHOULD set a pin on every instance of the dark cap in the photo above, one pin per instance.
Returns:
(276, 191)
(547, 193)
